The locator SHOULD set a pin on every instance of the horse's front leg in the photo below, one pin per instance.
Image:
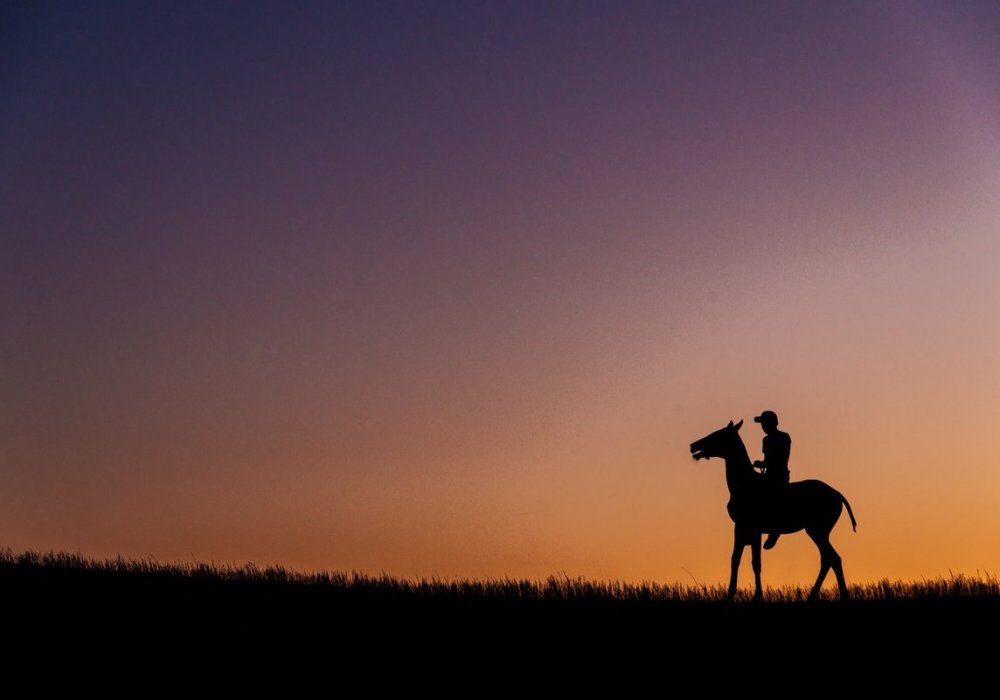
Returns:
(738, 544)
(755, 561)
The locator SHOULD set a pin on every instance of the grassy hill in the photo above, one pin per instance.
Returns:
(169, 617)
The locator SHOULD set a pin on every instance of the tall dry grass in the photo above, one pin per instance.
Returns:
(980, 585)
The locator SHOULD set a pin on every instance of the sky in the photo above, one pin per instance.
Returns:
(447, 289)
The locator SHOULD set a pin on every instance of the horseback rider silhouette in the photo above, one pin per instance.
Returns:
(776, 447)
(808, 505)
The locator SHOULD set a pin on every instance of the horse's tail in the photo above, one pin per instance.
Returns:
(854, 523)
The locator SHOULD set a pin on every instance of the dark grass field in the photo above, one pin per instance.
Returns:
(162, 620)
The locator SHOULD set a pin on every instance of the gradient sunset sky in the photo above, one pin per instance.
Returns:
(448, 288)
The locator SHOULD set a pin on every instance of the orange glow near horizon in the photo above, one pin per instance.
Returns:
(457, 306)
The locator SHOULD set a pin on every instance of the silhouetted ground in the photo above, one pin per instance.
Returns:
(86, 619)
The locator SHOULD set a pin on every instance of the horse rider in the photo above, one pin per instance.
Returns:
(776, 447)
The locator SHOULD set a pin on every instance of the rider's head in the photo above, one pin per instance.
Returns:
(768, 421)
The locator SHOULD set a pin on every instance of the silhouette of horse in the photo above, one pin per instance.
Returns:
(803, 505)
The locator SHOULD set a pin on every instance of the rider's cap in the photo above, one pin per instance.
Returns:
(767, 417)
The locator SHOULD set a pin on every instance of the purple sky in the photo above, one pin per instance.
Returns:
(391, 285)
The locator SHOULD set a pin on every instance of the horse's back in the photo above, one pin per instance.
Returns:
(794, 507)
(812, 486)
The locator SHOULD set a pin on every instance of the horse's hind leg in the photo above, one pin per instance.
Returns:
(838, 570)
(822, 540)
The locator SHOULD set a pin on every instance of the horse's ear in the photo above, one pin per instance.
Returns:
(738, 425)
(730, 424)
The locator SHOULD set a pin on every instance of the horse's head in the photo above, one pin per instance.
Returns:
(715, 444)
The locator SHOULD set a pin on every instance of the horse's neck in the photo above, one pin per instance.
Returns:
(738, 467)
